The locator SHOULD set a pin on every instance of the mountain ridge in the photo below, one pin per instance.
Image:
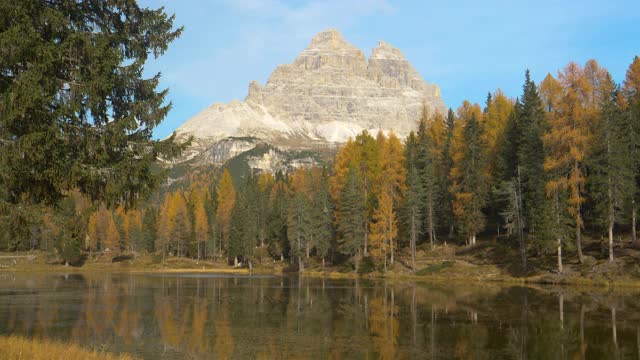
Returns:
(329, 93)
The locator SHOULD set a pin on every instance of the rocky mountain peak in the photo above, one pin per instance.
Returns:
(330, 39)
(386, 51)
(330, 49)
(328, 94)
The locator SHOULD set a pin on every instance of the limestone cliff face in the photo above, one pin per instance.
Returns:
(329, 93)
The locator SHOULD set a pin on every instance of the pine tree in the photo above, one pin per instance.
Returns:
(81, 114)
(447, 218)
(351, 216)
(299, 226)
(412, 206)
(322, 218)
(427, 166)
(631, 91)
(470, 180)
(522, 168)
(226, 196)
(551, 93)
(149, 223)
(277, 221)
(611, 180)
(122, 224)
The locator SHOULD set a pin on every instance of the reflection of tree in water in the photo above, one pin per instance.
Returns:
(224, 337)
(313, 318)
(383, 325)
(198, 343)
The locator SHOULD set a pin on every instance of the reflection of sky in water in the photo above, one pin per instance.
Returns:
(173, 316)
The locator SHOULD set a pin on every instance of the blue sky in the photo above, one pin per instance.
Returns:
(467, 47)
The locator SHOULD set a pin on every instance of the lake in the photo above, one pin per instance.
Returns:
(269, 317)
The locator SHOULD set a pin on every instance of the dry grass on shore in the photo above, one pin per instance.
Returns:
(19, 348)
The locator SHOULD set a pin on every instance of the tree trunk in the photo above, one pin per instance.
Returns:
(633, 222)
(235, 261)
(250, 267)
(560, 255)
(385, 262)
(413, 238)
(561, 303)
(392, 248)
(614, 332)
(300, 264)
(520, 225)
(579, 239)
(323, 262)
(431, 223)
(366, 238)
(611, 241)
(366, 225)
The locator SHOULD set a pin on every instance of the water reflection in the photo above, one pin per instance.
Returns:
(279, 317)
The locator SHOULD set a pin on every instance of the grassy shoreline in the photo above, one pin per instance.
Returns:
(444, 263)
(15, 347)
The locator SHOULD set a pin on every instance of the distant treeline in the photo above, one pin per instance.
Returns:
(539, 169)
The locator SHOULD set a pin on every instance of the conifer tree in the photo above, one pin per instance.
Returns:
(200, 219)
(351, 216)
(81, 114)
(322, 218)
(149, 223)
(611, 180)
(427, 166)
(412, 206)
(631, 91)
(369, 169)
(226, 196)
(299, 226)
(384, 230)
(569, 140)
(447, 218)
(277, 221)
(470, 181)
(551, 93)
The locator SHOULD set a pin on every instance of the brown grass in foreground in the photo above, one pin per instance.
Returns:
(18, 348)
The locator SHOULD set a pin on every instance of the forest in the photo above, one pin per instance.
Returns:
(539, 172)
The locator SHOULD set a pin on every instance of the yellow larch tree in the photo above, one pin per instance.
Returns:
(197, 198)
(568, 140)
(394, 173)
(384, 229)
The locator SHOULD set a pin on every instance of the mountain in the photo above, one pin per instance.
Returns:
(329, 93)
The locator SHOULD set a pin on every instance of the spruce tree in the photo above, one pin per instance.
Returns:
(77, 111)
(351, 216)
(411, 214)
(427, 166)
(322, 218)
(611, 180)
(530, 156)
(149, 229)
(470, 186)
(299, 227)
(447, 218)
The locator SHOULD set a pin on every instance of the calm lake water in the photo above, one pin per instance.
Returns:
(225, 317)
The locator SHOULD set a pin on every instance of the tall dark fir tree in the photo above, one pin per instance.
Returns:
(77, 111)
